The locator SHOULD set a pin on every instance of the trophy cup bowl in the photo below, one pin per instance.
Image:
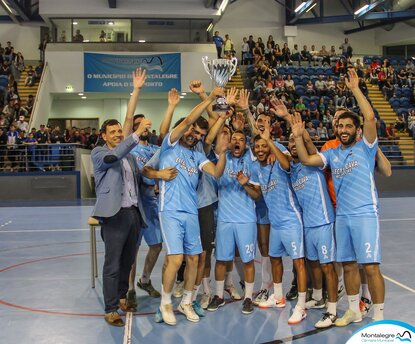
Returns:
(220, 71)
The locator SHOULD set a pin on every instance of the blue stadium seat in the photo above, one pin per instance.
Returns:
(310, 70)
(398, 92)
(319, 71)
(300, 90)
(404, 102)
(315, 98)
(281, 70)
(406, 92)
(291, 70)
(300, 71)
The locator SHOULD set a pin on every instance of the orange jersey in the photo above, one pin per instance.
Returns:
(329, 180)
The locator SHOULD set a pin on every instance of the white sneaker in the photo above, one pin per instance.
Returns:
(178, 289)
(348, 317)
(205, 300)
(233, 293)
(327, 320)
(261, 297)
(167, 314)
(315, 304)
(298, 315)
(189, 312)
(272, 302)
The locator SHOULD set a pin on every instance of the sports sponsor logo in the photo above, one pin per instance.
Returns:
(385, 331)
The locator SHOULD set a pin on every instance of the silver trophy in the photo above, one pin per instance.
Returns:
(220, 71)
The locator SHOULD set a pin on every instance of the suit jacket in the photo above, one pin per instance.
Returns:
(109, 183)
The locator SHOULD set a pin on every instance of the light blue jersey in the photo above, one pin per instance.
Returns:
(142, 154)
(179, 194)
(310, 187)
(235, 205)
(207, 188)
(284, 210)
(352, 169)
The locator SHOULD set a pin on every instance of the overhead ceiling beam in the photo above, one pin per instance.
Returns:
(399, 15)
(11, 15)
(347, 8)
(19, 10)
(372, 26)
(112, 3)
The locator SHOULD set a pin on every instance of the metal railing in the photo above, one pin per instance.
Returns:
(38, 157)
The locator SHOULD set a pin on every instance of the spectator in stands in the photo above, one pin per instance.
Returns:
(279, 84)
(341, 93)
(78, 38)
(320, 86)
(102, 36)
(3, 143)
(271, 40)
(261, 44)
(381, 129)
(410, 65)
(154, 139)
(340, 67)
(289, 84)
(246, 55)
(403, 78)
(29, 103)
(300, 105)
(42, 46)
(363, 86)
(391, 132)
(218, 40)
(251, 44)
(228, 46)
(333, 55)
(8, 52)
(321, 107)
(322, 132)
(286, 54)
(270, 84)
(56, 136)
(305, 55)
(296, 54)
(18, 63)
(314, 113)
(5, 68)
(12, 151)
(38, 71)
(312, 131)
(259, 84)
(30, 78)
(92, 139)
(400, 124)
(374, 76)
(309, 88)
(315, 55)
(67, 136)
(258, 53)
(22, 125)
(359, 67)
(278, 53)
(411, 123)
(346, 48)
(388, 88)
(325, 56)
(4, 122)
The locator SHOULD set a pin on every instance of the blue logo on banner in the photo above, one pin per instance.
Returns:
(384, 331)
(112, 73)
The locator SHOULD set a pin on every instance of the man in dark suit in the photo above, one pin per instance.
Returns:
(119, 209)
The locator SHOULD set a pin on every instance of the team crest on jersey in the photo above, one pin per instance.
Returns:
(270, 186)
(341, 172)
(141, 158)
(300, 183)
(233, 173)
(189, 169)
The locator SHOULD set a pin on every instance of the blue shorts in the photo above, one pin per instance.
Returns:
(181, 232)
(151, 234)
(320, 244)
(243, 234)
(286, 242)
(261, 212)
(357, 239)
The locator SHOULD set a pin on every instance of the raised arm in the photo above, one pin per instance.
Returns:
(243, 103)
(369, 125)
(197, 111)
(173, 99)
(197, 88)
(139, 78)
(217, 170)
(383, 164)
(215, 130)
(253, 190)
(298, 129)
(281, 157)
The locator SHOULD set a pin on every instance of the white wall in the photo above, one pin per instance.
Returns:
(25, 39)
(116, 108)
(400, 34)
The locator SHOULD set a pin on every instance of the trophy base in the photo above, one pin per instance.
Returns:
(221, 105)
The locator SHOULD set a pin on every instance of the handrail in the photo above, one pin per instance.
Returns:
(37, 93)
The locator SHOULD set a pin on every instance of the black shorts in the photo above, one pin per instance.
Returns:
(207, 224)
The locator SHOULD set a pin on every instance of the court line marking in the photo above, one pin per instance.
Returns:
(98, 227)
(399, 284)
(128, 328)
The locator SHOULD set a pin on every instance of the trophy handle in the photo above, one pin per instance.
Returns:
(205, 62)
(234, 65)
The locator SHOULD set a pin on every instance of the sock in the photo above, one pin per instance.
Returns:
(354, 303)
(187, 297)
(206, 285)
(278, 291)
(317, 294)
(195, 292)
(249, 289)
(366, 292)
(301, 299)
(239, 268)
(331, 307)
(144, 278)
(266, 273)
(228, 279)
(165, 297)
(220, 285)
(378, 311)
